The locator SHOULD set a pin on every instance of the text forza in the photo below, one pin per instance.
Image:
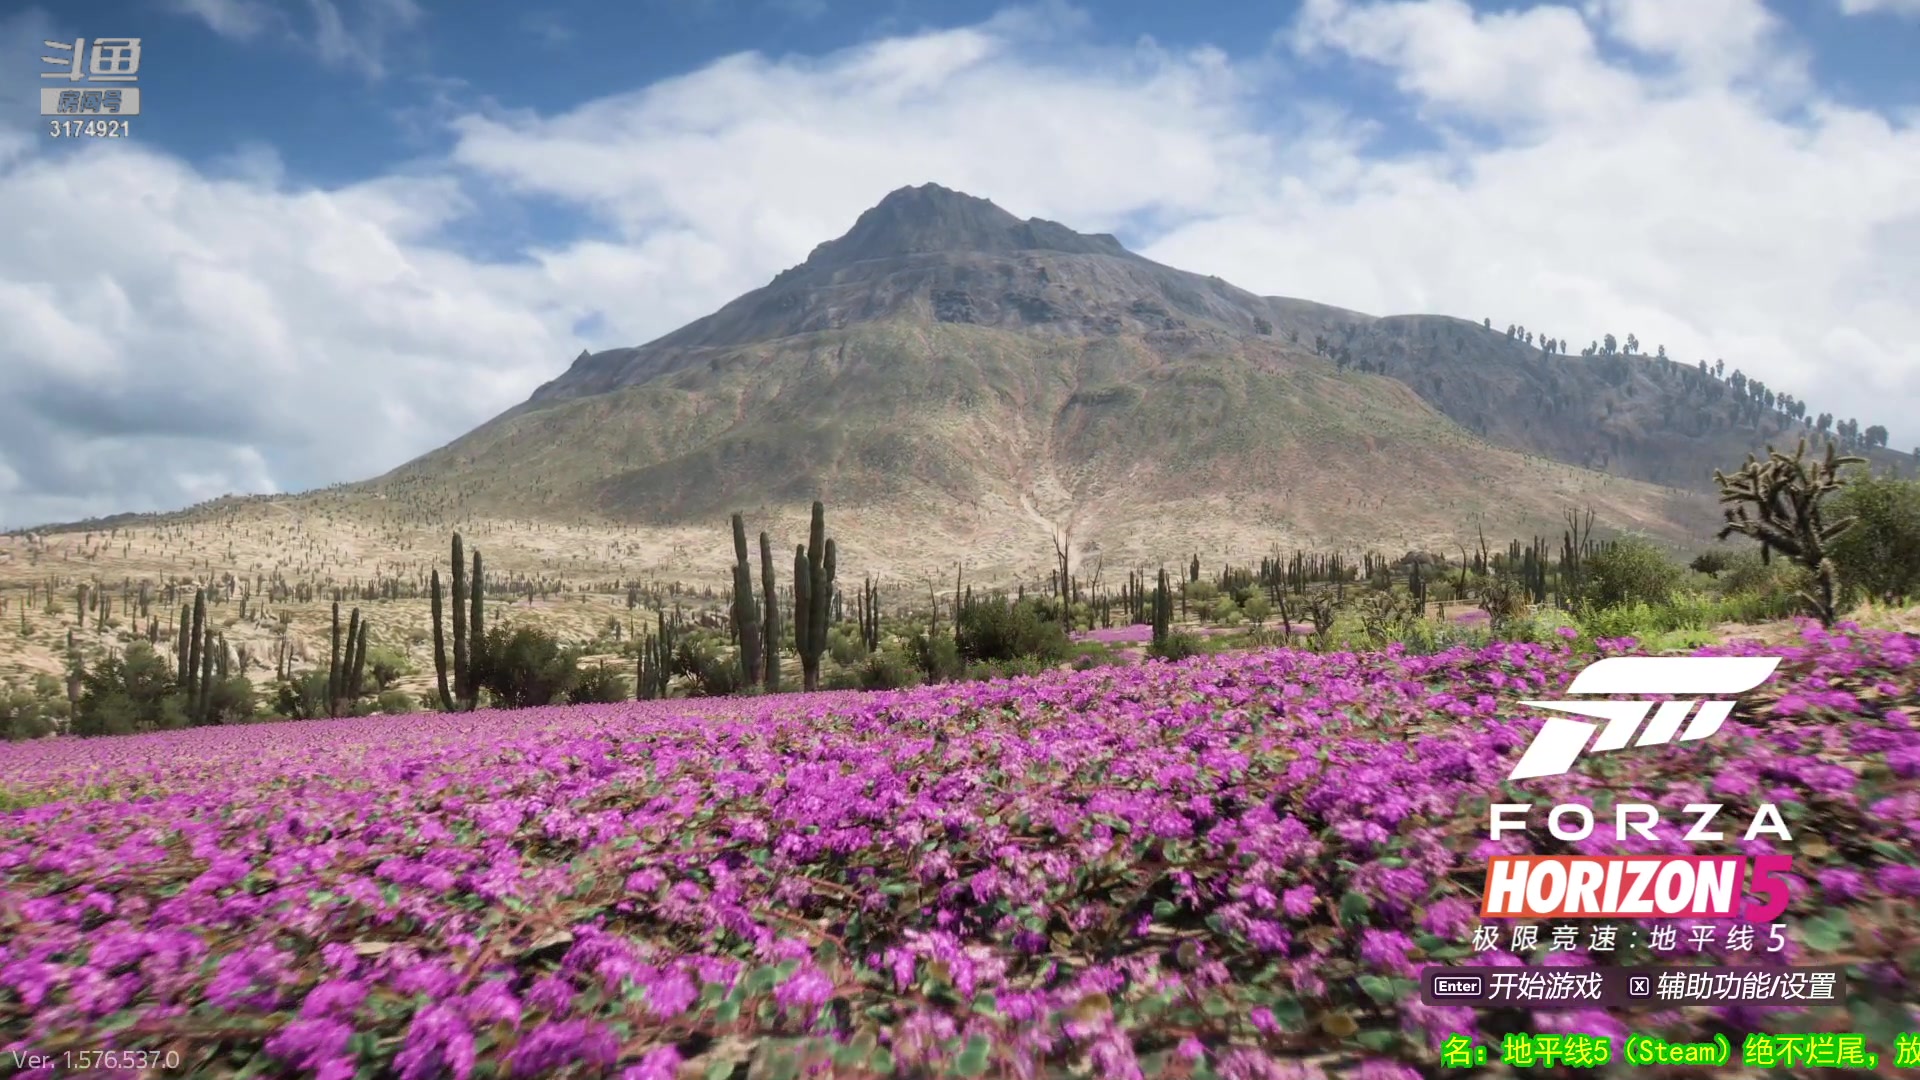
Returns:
(1638, 818)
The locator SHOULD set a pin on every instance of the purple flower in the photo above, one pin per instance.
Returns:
(1899, 879)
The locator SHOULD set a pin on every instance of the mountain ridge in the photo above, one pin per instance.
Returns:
(938, 255)
(968, 386)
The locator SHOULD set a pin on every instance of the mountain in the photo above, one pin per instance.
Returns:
(958, 382)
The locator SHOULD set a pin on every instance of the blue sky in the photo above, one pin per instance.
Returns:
(351, 199)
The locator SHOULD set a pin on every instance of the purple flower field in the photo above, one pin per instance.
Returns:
(1230, 866)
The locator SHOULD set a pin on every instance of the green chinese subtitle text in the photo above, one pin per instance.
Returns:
(1811, 1050)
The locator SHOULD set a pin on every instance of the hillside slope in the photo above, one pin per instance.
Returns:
(977, 443)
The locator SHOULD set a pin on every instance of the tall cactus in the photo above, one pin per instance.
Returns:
(356, 670)
(746, 609)
(655, 663)
(194, 646)
(440, 649)
(460, 690)
(803, 614)
(345, 670)
(870, 615)
(813, 602)
(203, 709)
(769, 619)
(467, 616)
(182, 644)
(333, 659)
(476, 630)
(1162, 609)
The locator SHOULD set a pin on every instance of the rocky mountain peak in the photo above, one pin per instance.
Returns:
(931, 219)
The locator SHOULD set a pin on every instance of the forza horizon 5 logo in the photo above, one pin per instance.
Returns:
(1562, 742)
(1644, 885)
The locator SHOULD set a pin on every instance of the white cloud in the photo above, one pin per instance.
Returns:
(1513, 68)
(171, 334)
(238, 19)
(358, 37)
(175, 330)
(1874, 7)
(1709, 41)
(361, 44)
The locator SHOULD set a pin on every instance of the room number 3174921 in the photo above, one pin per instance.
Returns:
(80, 129)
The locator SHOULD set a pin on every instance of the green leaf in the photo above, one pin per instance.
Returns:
(1354, 907)
(1893, 852)
(973, 1059)
(1288, 1012)
(1379, 988)
(720, 1070)
(761, 980)
(1377, 1040)
(728, 1012)
(1828, 933)
(1881, 1022)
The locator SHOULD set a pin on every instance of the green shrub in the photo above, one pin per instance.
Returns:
(127, 693)
(396, 703)
(1087, 661)
(1757, 591)
(1879, 555)
(888, 669)
(599, 684)
(937, 657)
(845, 647)
(1425, 637)
(1179, 645)
(714, 673)
(1006, 669)
(527, 667)
(1225, 612)
(303, 696)
(995, 630)
(1711, 562)
(1524, 629)
(231, 700)
(385, 665)
(29, 713)
(1631, 570)
(1257, 608)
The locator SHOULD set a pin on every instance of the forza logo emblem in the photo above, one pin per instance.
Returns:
(1561, 742)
